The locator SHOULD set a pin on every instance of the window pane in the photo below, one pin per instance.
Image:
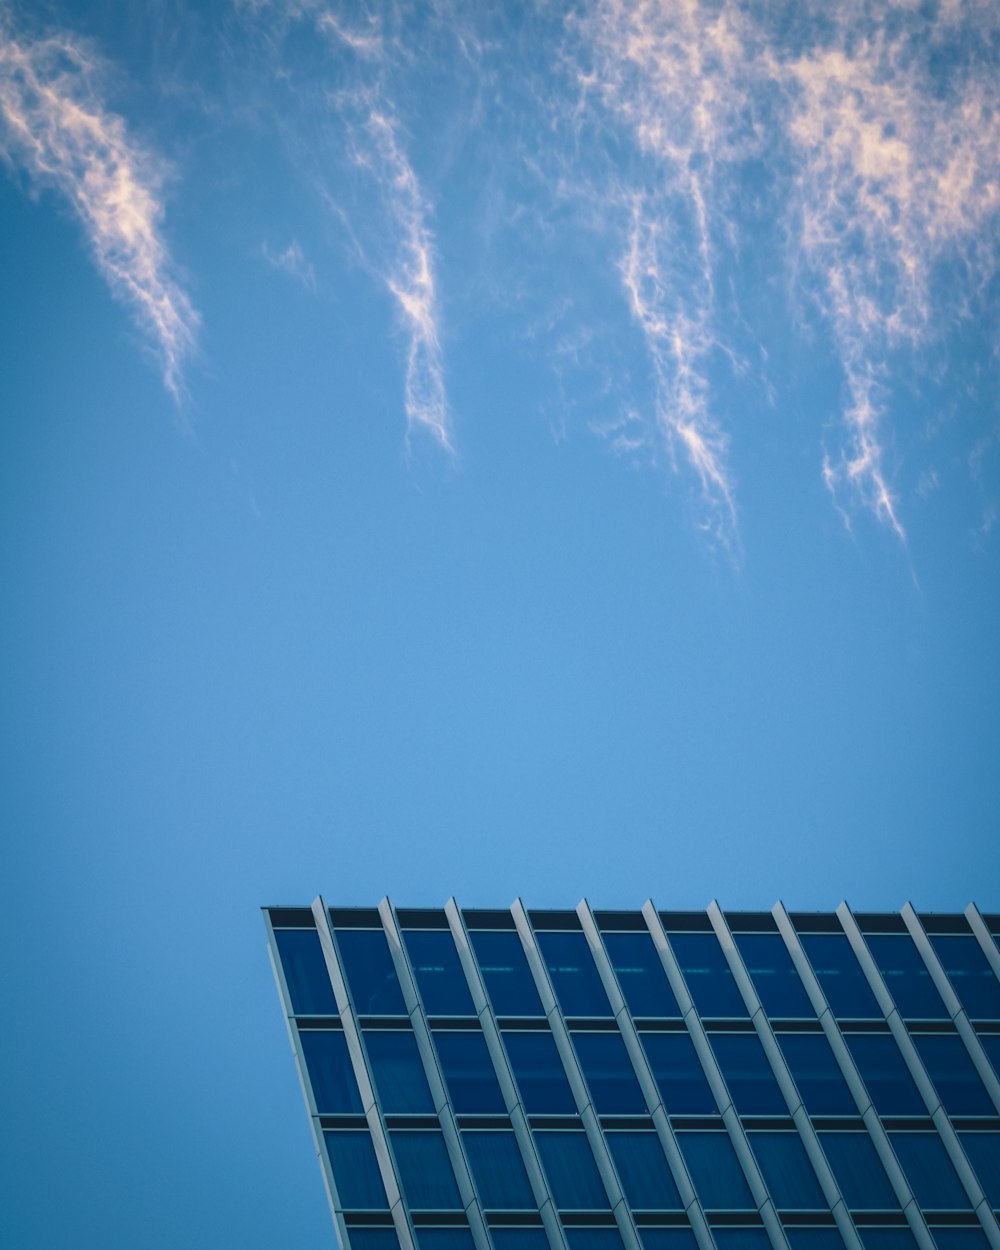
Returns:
(932, 1177)
(506, 974)
(397, 1071)
(498, 1170)
(990, 1042)
(983, 1152)
(610, 1076)
(817, 1074)
(715, 1171)
(667, 1239)
(955, 1078)
(960, 1239)
(305, 972)
(755, 1238)
(373, 1239)
(787, 1171)
(678, 1073)
(574, 974)
(425, 1170)
(444, 1239)
(468, 1072)
(814, 1238)
(644, 1172)
(573, 1176)
(355, 1171)
(708, 975)
(370, 972)
(748, 1074)
(906, 976)
(887, 1238)
(839, 974)
(885, 1073)
(519, 1239)
(438, 972)
(539, 1073)
(593, 1239)
(859, 1172)
(773, 975)
(331, 1074)
(640, 974)
(970, 974)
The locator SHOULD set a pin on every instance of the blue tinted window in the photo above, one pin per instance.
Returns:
(787, 1171)
(750, 1238)
(425, 1170)
(885, 1073)
(859, 1172)
(519, 1239)
(593, 1239)
(748, 1074)
(438, 971)
(468, 1072)
(640, 974)
(773, 974)
(643, 1171)
(715, 1171)
(574, 974)
(355, 1171)
(506, 974)
(814, 1238)
(330, 1072)
(573, 1176)
(817, 1074)
(538, 1071)
(678, 1073)
(397, 1071)
(374, 1239)
(960, 1239)
(667, 1239)
(906, 976)
(983, 1151)
(990, 1043)
(840, 977)
(610, 1076)
(932, 1177)
(887, 1238)
(305, 972)
(973, 980)
(370, 972)
(444, 1239)
(955, 1078)
(708, 975)
(498, 1170)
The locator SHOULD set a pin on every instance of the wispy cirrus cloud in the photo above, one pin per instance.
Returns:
(56, 130)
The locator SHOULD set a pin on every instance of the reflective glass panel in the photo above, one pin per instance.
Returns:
(748, 1074)
(593, 1239)
(932, 1176)
(397, 1071)
(817, 1074)
(506, 974)
(370, 972)
(960, 1238)
(519, 1239)
(438, 972)
(708, 975)
(990, 1042)
(538, 1071)
(983, 1152)
(906, 976)
(751, 1238)
(973, 980)
(574, 974)
(678, 1073)
(305, 972)
(787, 1171)
(610, 1076)
(574, 1180)
(859, 1172)
(498, 1170)
(640, 974)
(374, 1239)
(444, 1239)
(355, 1171)
(814, 1238)
(773, 974)
(955, 1078)
(468, 1072)
(330, 1072)
(885, 1074)
(715, 1171)
(643, 1170)
(668, 1239)
(840, 977)
(887, 1238)
(425, 1170)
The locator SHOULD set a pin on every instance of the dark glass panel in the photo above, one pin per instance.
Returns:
(610, 1076)
(640, 974)
(305, 972)
(748, 1074)
(468, 1072)
(519, 1239)
(331, 1074)
(840, 977)
(397, 1071)
(887, 1238)
(748, 1238)
(371, 974)
(572, 1173)
(973, 980)
(506, 975)
(538, 1071)
(983, 1152)
(574, 974)
(425, 1170)
(444, 1239)
(817, 1074)
(644, 1172)
(960, 1238)
(709, 978)
(859, 1172)
(715, 1171)
(678, 1073)
(932, 1176)
(773, 974)
(787, 1171)
(955, 1078)
(814, 1238)
(906, 976)
(668, 1239)
(990, 1042)
(885, 1074)
(355, 1171)
(438, 971)
(373, 1239)
(498, 1170)
(593, 1239)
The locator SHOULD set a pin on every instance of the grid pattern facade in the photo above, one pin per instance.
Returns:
(648, 1080)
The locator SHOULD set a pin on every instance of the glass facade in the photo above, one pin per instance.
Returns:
(481, 1087)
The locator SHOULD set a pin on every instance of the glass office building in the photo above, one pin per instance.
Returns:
(648, 1080)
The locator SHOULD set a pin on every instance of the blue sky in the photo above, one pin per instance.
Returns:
(486, 450)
